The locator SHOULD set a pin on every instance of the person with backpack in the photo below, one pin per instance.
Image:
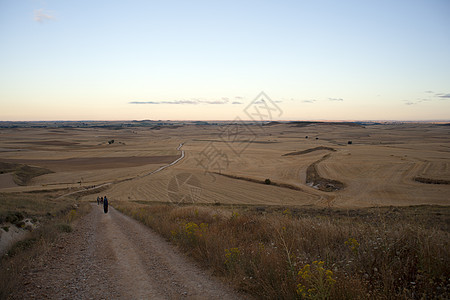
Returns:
(105, 204)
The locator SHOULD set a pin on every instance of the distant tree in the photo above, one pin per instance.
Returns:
(349, 142)
(306, 137)
(267, 181)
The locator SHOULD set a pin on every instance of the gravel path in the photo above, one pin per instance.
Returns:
(111, 256)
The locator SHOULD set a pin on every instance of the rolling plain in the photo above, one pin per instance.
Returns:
(280, 210)
(307, 163)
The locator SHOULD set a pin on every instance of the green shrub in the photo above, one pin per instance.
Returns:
(21, 246)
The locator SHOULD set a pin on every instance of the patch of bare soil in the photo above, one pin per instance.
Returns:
(310, 150)
(324, 184)
(7, 180)
(89, 163)
(21, 174)
(111, 256)
(49, 143)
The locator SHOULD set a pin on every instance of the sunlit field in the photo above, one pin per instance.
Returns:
(294, 209)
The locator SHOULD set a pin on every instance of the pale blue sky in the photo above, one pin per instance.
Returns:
(93, 60)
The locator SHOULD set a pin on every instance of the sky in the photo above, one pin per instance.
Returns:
(210, 60)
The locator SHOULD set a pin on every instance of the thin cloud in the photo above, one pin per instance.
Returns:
(238, 97)
(40, 15)
(143, 102)
(308, 101)
(236, 102)
(182, 102)
(444, 96)
(335, 99)
(214, 101)
(165, 102)
(433, 97)
(417, 101)
(262, 101)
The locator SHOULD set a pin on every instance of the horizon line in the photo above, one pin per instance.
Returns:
(243, 120)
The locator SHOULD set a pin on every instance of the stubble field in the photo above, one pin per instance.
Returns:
(399, 165)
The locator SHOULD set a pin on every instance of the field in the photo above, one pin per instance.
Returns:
(282, 210)
(388, 164)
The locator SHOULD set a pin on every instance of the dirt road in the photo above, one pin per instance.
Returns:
(110, 256)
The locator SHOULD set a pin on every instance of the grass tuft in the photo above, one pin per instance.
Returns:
(64, 227)
(21, 246)
(51, 224)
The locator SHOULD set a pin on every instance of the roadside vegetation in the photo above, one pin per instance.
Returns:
(49, 217)
(312, 253)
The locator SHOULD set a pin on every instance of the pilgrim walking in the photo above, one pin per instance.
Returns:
(105, 204)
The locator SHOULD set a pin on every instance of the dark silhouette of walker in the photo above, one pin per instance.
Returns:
(105, 204)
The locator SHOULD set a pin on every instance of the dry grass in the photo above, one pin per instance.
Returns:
(32, 204)
(288, 255)
(54, 217)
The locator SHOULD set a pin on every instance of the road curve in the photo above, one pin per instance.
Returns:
(128, 179)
